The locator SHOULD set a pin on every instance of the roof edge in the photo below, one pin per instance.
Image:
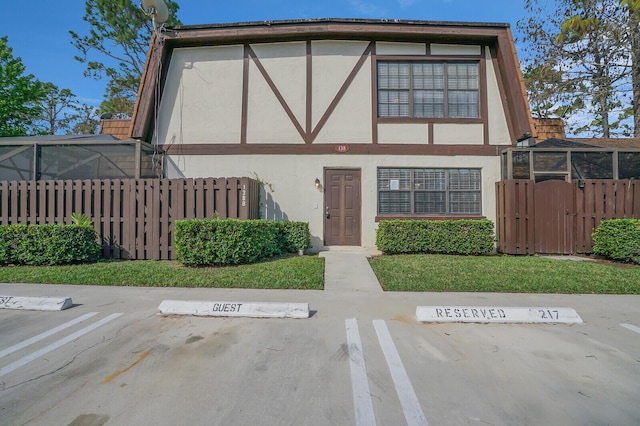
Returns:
(269, 23)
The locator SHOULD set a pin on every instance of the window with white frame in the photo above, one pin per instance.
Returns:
(403, 191)
(428, 89)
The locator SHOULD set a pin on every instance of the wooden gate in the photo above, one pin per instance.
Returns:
(556, 217)
(553, 217)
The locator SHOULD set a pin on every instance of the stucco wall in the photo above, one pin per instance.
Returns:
(498, 128)
(454, 49)
(202, 102)
(295, 197)
(414, 133)
(267, 121)
(333, 61)
(202, 99)
(458, 134)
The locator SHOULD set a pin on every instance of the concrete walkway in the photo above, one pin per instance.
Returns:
(349, 270)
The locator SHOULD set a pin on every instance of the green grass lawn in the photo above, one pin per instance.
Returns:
(506, 274)
(296, 272)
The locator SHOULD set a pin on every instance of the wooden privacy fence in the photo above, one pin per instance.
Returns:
(134, 218)
(559, 217)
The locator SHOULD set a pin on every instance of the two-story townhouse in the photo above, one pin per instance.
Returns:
(345, 121)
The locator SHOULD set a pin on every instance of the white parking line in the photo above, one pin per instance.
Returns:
(631, 327)
(408, 399)
(44, 335)
(37, 354)
(359, 382)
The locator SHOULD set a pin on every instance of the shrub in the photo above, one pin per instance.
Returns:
(618, 239)
(81, 219)
(294, 236)
(48, 244)
(200, 242)
(470, 237)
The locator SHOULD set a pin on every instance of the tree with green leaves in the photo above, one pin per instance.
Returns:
(633, 11)
(86, 121)
(578, 63)
(57, 110)
(20, 94)
(62, 113)
(116, 48)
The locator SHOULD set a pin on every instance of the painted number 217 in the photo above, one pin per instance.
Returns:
(548, 314)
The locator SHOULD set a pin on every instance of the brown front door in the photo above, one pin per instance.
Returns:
(342, 207)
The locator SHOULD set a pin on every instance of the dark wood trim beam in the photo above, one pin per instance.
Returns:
(512, 81)
(309, 101)
(430, 58)
(430, 136)
(334, 103)
(245, 95)
(272, 31)
(408, 120)
(374, 94)
(484, 104)
(378, 218)
(146, 100)
(503, 94)
(323, 149)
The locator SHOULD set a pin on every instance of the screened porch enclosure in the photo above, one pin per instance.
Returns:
(567, 165)
(68, 159)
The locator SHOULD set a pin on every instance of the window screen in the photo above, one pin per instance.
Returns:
(428, 89)
(429, 191)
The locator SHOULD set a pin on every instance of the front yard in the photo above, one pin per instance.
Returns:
(438, 273)
(295, 272)
(504, 274)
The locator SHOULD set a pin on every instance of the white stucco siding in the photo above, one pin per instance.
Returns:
(458, 134)
(267, 121)
(295, 197)
(202, 99)
(454, 49)
(393, 48)
(411, 133)
(350, 122)
(333, 61)
(498, 127)
(286, 64)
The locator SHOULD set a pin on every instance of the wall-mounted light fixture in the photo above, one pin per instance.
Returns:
(317, 183)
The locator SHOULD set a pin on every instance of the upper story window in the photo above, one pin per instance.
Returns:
(428, 89)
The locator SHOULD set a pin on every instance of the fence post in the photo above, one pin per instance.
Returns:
(244, 208)
(221, 197)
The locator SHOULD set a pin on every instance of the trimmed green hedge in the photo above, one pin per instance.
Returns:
(293, 236)
(618, 239)
(48, 244)
(470, 237)
(200, 242)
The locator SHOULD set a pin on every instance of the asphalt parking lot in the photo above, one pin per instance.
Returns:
(361, 358)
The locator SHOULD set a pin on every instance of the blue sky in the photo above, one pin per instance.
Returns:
(38, 30)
